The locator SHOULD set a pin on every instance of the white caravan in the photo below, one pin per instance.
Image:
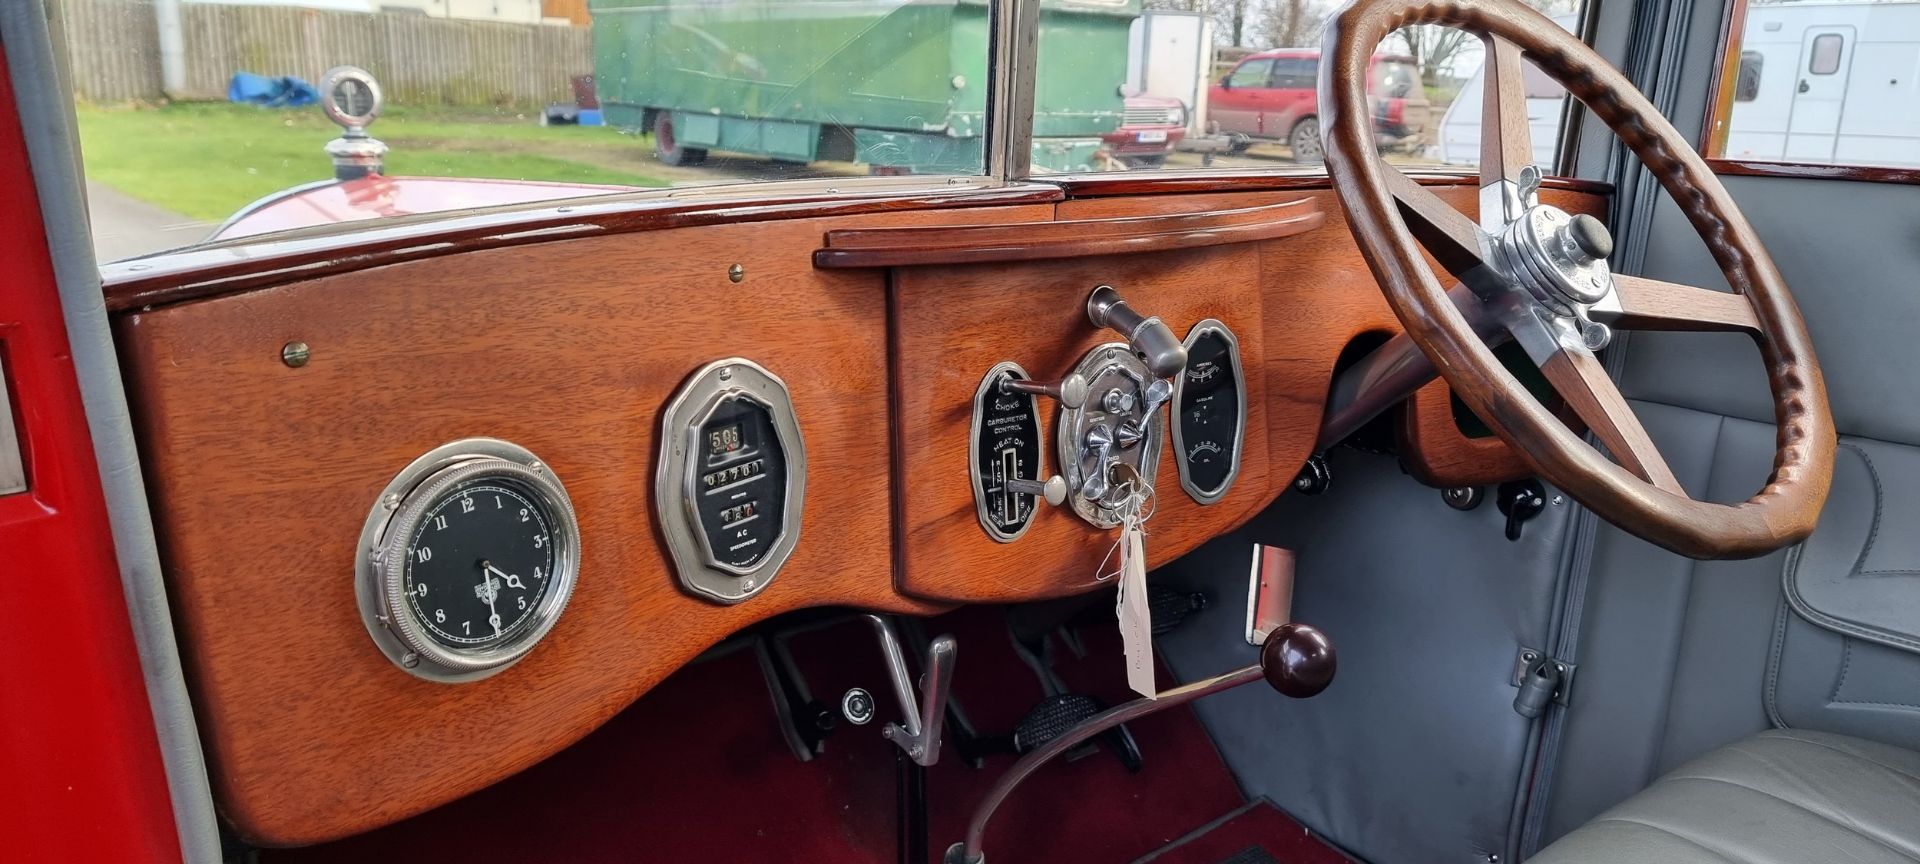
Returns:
(1828, 83)
(1459, 138)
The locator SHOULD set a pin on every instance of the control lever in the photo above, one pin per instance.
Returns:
(1152, 341)
(1071, 391)
(1297, 660)
(1052, 490)
(1100, 444)
(919, 734)
(1132, 431)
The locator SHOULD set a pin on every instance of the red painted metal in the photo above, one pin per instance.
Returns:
(80, 771)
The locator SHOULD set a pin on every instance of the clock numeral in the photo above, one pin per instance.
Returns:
(466, 505)
(466, 628)
(420, 589)
(423, 554)
(496, 503)
(440, 523)
(523, 603)
(439, 616)
(539, 541)
(523, 514)
(537, 574)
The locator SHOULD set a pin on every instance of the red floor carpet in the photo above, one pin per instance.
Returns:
(696, 771)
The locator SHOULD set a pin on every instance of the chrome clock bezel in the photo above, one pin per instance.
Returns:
(379, 575)
(1204, 497)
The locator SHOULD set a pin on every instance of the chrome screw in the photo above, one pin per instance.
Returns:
(737, 273)
(295, 354)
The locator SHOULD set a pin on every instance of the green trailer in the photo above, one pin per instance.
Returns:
(900, 85)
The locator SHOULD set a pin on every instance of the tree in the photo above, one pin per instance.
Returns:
(1433, 47)
(1229, 16)
(1291, 23)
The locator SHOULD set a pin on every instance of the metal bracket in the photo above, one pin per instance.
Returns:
(1562, 669)
(923, 716)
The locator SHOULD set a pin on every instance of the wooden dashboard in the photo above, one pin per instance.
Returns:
(569, 335)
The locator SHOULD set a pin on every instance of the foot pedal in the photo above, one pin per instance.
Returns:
(1057, 714)
(1051, 718)
(1170, 608)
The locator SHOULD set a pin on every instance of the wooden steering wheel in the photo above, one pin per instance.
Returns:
(1541, 277)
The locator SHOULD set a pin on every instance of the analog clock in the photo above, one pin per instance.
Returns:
(468, 560)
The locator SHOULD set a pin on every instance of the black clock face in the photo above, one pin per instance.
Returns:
(479, 563)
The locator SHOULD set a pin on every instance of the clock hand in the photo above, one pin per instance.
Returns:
(489, 591)
(512, 580)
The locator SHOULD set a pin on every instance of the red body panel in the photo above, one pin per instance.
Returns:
(376, 196)
(80, 773)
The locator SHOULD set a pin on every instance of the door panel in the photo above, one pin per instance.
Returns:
(1826, 62)
(82, 777)
(1235, 107)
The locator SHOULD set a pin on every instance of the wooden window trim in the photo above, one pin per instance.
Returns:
(1713, 135)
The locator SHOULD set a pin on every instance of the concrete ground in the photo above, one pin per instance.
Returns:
(126, 228)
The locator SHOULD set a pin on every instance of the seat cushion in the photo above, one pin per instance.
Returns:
(1784, 795)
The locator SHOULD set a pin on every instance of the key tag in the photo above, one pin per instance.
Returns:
(1132, 606)
(1135, 613)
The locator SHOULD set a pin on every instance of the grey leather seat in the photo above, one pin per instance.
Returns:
(1787, 796)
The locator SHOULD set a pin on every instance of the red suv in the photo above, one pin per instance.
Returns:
(1273, 95)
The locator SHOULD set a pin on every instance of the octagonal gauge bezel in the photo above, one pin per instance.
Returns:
(676, 495)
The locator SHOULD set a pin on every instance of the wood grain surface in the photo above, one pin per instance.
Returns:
(1067, 237)
(261, 474)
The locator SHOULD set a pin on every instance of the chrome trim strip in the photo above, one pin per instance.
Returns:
(1014, 27)
(261, 203)
(38, 69)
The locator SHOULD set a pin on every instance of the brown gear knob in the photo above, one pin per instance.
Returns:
(1297, 660)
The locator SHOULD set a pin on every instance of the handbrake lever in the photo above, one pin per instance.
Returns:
(1296, 660)
(924, 716)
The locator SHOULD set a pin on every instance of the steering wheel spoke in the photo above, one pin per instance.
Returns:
(1639, 303)
(1450, 235)
(1506, 141)
(1581, 379)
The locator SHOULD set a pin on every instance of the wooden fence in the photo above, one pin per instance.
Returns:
(420, 61)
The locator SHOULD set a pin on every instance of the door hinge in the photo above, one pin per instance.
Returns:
(1541, 679)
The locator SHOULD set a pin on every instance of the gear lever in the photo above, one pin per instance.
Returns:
(1296, 660)
(919, 732)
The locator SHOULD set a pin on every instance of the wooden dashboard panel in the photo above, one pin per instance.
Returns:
(262, 475)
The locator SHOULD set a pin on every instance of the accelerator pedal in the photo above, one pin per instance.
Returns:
(1060, 712)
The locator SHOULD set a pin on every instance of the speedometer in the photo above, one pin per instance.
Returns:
(468, 560)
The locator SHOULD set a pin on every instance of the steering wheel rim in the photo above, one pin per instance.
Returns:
(1510, 260)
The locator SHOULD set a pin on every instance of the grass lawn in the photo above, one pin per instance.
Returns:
(207, 160)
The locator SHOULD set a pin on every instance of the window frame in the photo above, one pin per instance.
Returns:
(1714, 129)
